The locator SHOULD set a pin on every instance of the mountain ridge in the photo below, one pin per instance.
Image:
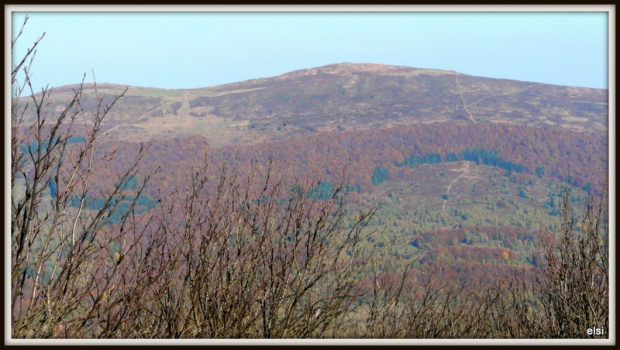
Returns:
(334, 68)
(339, 97)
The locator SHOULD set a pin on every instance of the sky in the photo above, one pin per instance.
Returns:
(175, 50)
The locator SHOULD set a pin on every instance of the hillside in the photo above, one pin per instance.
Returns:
(351, 200)
(341, 97)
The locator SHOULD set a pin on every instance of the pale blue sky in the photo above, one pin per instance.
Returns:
(198, 49)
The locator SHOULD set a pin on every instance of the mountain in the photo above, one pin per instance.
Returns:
(247, 191)
(342, 97)
(432, 149)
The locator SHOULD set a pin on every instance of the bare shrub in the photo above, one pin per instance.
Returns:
(224, 255)
(254, 257)
(68, 243)
(569, 292)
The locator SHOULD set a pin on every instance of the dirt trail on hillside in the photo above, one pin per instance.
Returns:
(143, 116)
(465, 171)
(465, 104)
(463, 99)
